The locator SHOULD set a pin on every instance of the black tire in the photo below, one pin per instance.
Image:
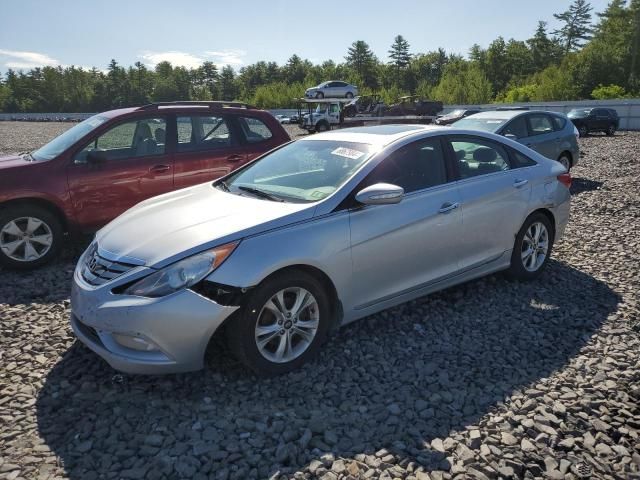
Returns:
(319, 95)
(349, 95)
(565, 161)
(611, 131)
(583, 131)
(241, 335)
(517, 269)
(51, 223)
(322, 127)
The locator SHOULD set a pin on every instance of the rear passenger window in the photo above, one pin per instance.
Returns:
(558, 122)
(519, 160)
(517, 127)
(540, 124)
(477, 156)
(254, 130)
(202, 132)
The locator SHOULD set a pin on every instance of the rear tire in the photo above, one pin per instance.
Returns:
(268, 335)
(565, 161)
(349, 95)
(611, 131)
(583, 131)
(30, 236)
(532, 248)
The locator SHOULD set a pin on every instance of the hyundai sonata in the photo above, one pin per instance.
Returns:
(309, 237)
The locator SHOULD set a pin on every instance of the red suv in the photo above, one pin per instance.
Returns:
(101, 167)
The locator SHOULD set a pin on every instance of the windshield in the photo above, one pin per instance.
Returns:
(59, 144)
(455, 113)
(579, 112)
(484, 124)
(302, 171)
(321, 108)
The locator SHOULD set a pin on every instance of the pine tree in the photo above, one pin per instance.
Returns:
(576, 25)
(362, 61)
(399, 53)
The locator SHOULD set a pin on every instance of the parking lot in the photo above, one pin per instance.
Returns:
(491, 379)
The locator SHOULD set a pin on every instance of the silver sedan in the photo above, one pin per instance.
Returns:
(332, 89)
(311, 236)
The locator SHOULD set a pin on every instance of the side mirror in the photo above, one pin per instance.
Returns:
(96, 157)
(380, 194)
(511, 136)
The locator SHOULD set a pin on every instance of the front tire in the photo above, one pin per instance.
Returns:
(282, 325)
(322, 127)
(611, 131)
(532, 248)
(30, 236)
(319, 95)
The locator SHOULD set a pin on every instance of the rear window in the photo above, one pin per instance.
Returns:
(484, 124)
(254, 130)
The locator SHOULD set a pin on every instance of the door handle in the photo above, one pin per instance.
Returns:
(159, 169)
(528, 145)
(520, 183)
(234, 158)
(447, 207)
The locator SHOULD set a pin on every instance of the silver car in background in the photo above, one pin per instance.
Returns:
(332, 89)
(311, 236)
(548, 133)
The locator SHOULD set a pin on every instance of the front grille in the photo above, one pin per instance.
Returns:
(98, 270)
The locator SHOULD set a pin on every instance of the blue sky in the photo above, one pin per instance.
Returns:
(238, 32)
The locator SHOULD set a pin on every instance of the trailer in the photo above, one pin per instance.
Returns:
(320, 115)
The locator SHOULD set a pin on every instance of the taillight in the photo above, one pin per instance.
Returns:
(565, 179)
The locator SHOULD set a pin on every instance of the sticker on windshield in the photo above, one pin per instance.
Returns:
(348, 153)
(494, 121)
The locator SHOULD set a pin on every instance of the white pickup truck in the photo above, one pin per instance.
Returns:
(327, 112)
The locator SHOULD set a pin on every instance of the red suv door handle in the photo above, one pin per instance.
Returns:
(235, 158)
(159, 169)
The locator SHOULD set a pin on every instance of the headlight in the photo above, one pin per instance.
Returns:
(182, 274)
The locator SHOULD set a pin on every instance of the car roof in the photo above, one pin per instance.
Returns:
(505, 114)
(378, 135)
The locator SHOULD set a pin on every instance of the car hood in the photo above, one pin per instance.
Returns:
(11, 161)
(172, 226)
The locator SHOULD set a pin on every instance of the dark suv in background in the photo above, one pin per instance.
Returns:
(101, 167)
(589, 120)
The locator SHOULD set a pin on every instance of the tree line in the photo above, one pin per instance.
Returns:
(591, 55)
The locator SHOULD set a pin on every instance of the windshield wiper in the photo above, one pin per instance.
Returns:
(223, 185)
(27, 156)
(260, 193)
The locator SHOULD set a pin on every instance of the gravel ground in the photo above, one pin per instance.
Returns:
(491, 379)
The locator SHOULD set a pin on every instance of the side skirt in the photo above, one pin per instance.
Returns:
(501, 263)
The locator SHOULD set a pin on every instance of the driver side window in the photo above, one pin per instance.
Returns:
(138, 138)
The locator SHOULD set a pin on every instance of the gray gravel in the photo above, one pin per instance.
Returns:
(491, 379)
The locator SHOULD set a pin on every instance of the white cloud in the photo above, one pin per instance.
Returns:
(26, 60)
(227, 57)
(176, 58)
(189, 60)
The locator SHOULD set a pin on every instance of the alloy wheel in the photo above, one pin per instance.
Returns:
(287, 325)
(565, 162)
(535, 246)
(26, 239)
